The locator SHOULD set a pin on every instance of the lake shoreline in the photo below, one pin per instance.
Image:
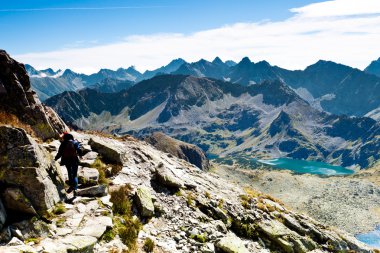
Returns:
(305, 166)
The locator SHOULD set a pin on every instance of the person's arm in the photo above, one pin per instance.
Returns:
(60, 152)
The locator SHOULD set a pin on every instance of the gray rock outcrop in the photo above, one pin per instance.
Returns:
(180, 149)
(18, 99)
(27, 165)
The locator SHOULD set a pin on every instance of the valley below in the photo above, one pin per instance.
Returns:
(349, 203)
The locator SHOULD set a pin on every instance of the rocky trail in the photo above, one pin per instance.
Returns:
(180, 207)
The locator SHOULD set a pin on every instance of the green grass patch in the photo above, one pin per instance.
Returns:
(148, 245)
(202, 238)
(126, 226)
(59, 209)
(121, 203)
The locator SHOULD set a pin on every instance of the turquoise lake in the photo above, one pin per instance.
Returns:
(371, 239)
(303, 167)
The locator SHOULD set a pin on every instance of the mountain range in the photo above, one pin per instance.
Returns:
(327, 86)
(231, 121)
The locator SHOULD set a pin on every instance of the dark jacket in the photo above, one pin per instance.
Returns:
(68, 152)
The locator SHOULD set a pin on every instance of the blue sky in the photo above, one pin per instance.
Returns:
(50, 25)
(115, 33)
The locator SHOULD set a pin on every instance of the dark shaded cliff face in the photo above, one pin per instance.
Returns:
(17, 98)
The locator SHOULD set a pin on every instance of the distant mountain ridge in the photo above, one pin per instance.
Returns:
(229, 120)
(333, 87)
(48, 83)
(328, 86)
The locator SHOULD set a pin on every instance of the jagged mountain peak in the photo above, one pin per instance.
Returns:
(176, 61)
(324, 64)
(31, 70)
(263, 63)
(245, 61)
(217, 60)
(68, 72)
(374, 68)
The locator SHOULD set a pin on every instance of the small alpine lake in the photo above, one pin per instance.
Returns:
(303, 166)
(371, 238)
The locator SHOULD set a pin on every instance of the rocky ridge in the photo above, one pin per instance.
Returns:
(182, 208)
(17, 98)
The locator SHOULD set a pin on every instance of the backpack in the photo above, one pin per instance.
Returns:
(69, 151)
(78, 147)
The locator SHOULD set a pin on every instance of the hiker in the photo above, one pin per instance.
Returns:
(68, 152)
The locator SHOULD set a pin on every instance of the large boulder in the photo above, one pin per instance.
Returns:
(166, 177)
(110, 150)
(144, 202)
(18, 99)
(15, 200)
(28, 166)
(88, 176)
(231, 244)
(180, 149)
(93, 191)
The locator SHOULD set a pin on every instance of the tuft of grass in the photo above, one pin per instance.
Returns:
(251, 192)
(115, 169)
(179, 193)
(190, 199)
(33, 240)
(126, 226)
(59, 209)
(99, 164)
(109, 235)
(129, 231)
(262, 207)
(208, 195)
(12, 120)
(104, 173)
(149, 245)
(60, 222)
(199, 238)
(220, 203)
(101, 167)
(121, 203)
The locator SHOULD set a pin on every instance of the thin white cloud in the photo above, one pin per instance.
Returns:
(80, 8)
(351, 39)
(339, 8)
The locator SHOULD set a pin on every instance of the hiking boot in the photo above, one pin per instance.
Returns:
(75, 193)
(70, 189)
